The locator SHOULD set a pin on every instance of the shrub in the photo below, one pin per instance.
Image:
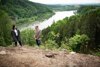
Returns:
(65, 46)
(78, 41)
(49, 44)
(27, 37)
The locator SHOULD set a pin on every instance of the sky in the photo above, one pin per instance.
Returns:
(66, 1)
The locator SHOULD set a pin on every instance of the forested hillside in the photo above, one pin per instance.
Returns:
(80, 32)
(25, 11)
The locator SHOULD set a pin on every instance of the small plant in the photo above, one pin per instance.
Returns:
(65, 46)
(49, 44)
(97, 54)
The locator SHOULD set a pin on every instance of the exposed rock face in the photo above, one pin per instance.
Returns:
(35, 57)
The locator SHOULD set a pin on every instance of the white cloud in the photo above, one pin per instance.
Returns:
(66, 1)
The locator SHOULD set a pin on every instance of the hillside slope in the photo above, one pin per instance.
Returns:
(19, 9)
(35, 57)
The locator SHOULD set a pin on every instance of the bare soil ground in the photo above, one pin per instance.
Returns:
(36, 57)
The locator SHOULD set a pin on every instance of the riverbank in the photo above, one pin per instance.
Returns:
(59, 15)
(21, 23)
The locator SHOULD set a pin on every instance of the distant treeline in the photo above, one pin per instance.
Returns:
(63, 7)
(69, 7)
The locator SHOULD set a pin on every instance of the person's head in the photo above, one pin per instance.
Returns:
(36, 27)
(14, 27)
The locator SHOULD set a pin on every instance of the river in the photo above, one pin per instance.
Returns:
(48, 22)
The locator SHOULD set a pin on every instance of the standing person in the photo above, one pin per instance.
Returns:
(37, 35)
(15, 33)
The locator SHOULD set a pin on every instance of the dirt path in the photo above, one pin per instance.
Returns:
(34, 57)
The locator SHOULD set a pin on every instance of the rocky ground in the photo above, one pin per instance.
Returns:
(36, 57)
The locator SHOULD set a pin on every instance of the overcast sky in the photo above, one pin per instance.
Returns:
(66, 1)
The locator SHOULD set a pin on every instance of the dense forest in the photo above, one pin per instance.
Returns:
(80, 32)
(23, 11)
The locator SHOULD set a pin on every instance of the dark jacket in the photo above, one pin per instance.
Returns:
(14, 37)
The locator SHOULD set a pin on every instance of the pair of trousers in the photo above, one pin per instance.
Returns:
(18, 41)
(38, 42)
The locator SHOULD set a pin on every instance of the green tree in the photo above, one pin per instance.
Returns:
(5, 29)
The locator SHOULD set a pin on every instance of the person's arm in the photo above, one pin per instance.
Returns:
(12, 35)
(34, 35)
(18, 31)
